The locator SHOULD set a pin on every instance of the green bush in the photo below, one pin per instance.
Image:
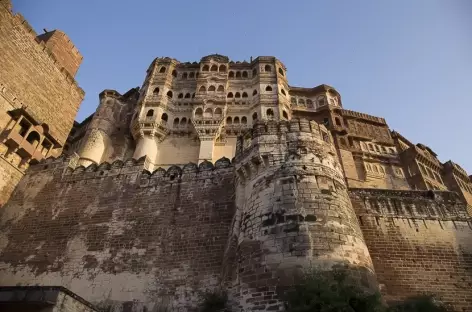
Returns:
(332, 292)
(214, 302)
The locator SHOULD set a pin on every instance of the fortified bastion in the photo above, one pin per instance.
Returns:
(212, 175)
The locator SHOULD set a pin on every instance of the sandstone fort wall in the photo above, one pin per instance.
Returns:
(34, 81)
(117, 235)
(419, 241)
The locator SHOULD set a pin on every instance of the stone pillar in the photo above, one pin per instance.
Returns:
(206, 151)
(93, 148)
(147, 146)
(293, 214)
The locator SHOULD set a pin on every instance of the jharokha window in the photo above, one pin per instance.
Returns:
(27, 138)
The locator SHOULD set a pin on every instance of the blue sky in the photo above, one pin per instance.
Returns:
(407, 61)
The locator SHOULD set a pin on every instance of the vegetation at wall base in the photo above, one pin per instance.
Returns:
(214, 302)
(333, 292)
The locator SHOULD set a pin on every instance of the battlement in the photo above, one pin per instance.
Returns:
(72, 172)
(350, 113)
(425, 205)
(20, 21)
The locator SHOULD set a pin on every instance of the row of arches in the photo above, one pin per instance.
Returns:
(236, 120)
(222, 69)
(214, 68)
(208, 113)
(212, 88)
(181, 122)
(376, 148)
(150, 115)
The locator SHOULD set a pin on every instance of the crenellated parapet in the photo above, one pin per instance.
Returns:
(422, 205)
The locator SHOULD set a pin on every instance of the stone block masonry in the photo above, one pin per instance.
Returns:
(419, 241)
(117, 235)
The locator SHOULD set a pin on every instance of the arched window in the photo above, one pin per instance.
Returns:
(202, 89)
(191, 75)
(150, 113)
(254, 92)
(254, 116)
(238, 74)
(156, 91)
(285, 115)
(214, 68)
(181, 95)
(237, 95)
(236, 120)
(375, 168)
(220, 88)
(174, 73)
(176, 121)
(230, 95)
(187, 95)
(309, 103)
(267, 68)
(169, 94)
(198, 113)
(281, 71)
(164, 117)
(222, 69)
(244, 120)
(208, 113)
(245, 74)
(33, 137)
(293, 100)
(301, 102)
(162, 70)
(283, 92)
(244, 95)
(270, 113)
(184, 76)
(338, 121)
(205, 68)
(229, 121)
(231, 74)
(268, 88)
(218, 112)
(211, 88)
(254, 72)
(321, 102)
(183, 121)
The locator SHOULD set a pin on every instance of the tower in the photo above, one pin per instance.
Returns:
(151, 125)
(63, 49)
(293, 212)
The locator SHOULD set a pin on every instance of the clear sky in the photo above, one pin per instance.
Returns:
(407, 61)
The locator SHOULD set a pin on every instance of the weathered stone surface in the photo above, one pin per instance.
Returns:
(112, 238)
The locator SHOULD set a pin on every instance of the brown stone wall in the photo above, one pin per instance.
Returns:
(118, 236)
(30, 72)
(9, 178)
(63, 49)
(293, 214)
(420, 242)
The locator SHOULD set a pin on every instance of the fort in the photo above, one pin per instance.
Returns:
(213, 175)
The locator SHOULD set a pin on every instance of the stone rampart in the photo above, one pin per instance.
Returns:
(419, 241)
(117, 235)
